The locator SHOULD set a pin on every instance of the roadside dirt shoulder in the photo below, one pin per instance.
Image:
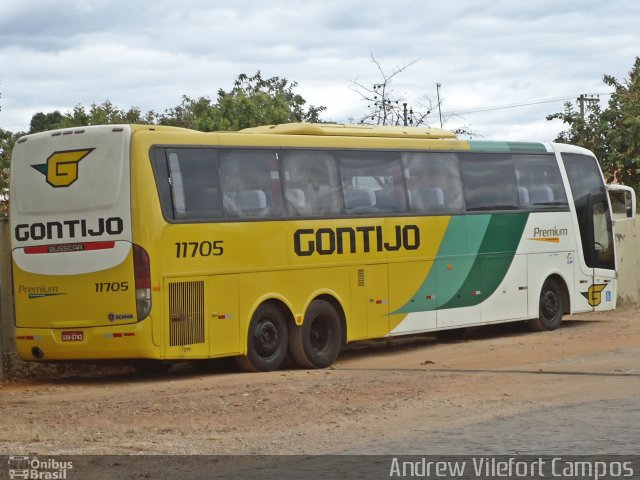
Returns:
(374, 391)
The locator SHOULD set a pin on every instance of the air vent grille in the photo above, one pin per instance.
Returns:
(186, 313)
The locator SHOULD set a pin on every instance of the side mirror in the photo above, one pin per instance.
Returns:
(623, 202)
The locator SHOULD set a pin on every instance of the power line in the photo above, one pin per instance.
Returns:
(517, 105)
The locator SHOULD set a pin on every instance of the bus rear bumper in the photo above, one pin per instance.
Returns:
(93, 343)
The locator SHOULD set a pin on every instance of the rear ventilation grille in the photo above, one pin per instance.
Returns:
(361, 277)
(186, 313)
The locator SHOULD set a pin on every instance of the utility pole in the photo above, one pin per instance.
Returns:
(582, 99)
(438, 85)
(407, 115)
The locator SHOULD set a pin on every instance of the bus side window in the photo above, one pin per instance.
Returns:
(489, 182)
(195, 187)
(372, 182)
(433, 181)
(311, 185)
(250, 183)
(539, 176)
(177, 187)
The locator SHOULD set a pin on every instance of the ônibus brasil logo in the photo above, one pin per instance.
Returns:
(61, 168)
(22, 466)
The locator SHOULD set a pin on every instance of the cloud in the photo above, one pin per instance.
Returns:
(59, 53)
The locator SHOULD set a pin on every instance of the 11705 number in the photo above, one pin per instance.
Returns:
(199, 249)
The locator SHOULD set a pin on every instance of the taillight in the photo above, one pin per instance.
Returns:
(142, 273)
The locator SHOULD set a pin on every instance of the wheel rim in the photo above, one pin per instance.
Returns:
(550, 304)
(319, 335)
(266, 338)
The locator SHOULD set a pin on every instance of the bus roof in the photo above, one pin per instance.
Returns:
(332, 129)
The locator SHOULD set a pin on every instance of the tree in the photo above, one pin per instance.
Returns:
(7, 141)
(41, 122)
(383, 106)
(197, 114)
(623, 127)
(107, 114)
(613, 134)
(252, 101)
(103, 114)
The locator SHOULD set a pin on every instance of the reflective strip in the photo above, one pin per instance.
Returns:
(69, 247)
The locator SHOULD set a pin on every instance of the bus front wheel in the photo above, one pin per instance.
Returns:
(317, 342)
(550, 307)
(267, 340)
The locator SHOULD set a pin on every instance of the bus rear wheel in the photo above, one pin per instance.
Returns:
(267, 340)
(550, 307)
(316, 343)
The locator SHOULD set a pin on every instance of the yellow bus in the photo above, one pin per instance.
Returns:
(151, 242)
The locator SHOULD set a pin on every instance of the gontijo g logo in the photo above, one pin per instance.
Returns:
(594, 294)
(61, 168)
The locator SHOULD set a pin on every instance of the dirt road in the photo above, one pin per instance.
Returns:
(373, 394)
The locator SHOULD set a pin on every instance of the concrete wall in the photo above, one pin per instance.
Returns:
(628, 237)
(7, 338)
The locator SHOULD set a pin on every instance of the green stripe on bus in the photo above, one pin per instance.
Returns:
(494, 258)
(527, 147)
(461, 242)
(506, 147)
(488, 146)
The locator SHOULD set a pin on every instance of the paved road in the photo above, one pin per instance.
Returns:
(566, 424)
(603, 427)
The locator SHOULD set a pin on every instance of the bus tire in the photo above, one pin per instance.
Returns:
(317, 342)
(550, 307)
(267, 340)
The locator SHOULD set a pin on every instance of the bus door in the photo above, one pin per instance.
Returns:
(601, 294)
(595, 270)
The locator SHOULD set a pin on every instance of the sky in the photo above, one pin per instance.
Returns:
(502, 65)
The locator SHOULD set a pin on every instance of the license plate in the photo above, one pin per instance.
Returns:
(76, 336)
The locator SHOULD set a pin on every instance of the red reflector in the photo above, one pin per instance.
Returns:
(69, 247)
(121, 334)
